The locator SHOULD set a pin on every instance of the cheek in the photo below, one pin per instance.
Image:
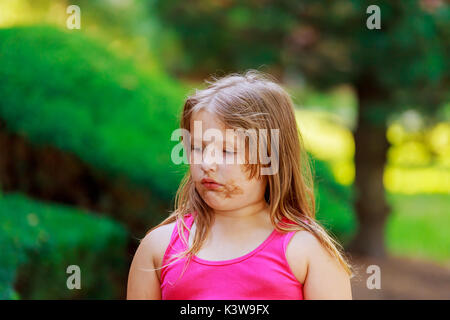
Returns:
(232, 189)
(196, 171)
(254, 188)
(239, 187)
(232, 178)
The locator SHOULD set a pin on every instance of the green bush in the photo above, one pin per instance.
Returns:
(39, 241)
(334, 203)
(61, 88)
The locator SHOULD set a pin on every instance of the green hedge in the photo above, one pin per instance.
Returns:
(334, 203)
(61, 88)
(39, 241)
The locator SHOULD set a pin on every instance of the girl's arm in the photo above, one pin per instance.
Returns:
(324, 277)
(142, 283)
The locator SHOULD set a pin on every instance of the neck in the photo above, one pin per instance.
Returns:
(255, 213)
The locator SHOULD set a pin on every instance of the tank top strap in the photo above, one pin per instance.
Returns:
(176, 240)
(176, 243)
(189, 221)
(286, 238)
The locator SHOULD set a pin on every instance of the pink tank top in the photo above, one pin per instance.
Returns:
(262, 274)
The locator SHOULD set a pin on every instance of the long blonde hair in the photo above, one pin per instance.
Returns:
(255, 101)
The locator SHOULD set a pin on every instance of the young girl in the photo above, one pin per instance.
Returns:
(241, 229)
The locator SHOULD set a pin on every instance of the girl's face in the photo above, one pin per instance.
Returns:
(232, 190)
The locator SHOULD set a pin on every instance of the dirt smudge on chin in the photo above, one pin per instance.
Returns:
(230, 189)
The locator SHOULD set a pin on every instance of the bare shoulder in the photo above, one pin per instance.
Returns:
(157, 242)
(307, 242)
(298, 252)
(305, 246)
(321, 274)
(143, 279)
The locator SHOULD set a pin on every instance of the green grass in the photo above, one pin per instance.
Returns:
(419, 226)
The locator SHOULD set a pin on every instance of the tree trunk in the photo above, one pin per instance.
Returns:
(371, 148)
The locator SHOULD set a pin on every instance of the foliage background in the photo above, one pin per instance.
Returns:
(86, 117)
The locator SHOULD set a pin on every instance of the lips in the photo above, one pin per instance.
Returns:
(210, 183)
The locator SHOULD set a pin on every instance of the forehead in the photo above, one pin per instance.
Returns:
(207, 119)
(210, 124)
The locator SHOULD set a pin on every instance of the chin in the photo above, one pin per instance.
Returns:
(215, 201)
(222, 205)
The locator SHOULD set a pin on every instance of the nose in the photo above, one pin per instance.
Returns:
(209, 161)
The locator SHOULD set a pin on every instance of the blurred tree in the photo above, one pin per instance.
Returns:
(403, 65)
(83, 126)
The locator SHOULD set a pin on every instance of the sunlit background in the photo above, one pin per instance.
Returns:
(85, 123)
